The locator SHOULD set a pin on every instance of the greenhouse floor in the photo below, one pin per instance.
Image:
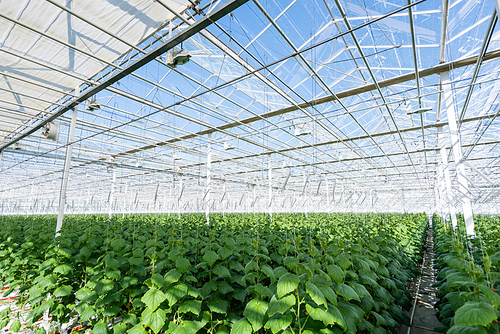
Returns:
(424, 318)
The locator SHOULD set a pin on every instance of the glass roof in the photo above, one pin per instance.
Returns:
(326, 105)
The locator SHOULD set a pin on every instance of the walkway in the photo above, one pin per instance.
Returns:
(424, 317)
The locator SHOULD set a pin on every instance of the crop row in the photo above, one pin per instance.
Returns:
(325, 273)
(469, 277)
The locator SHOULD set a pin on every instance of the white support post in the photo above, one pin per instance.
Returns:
(67, 163)
(209, 178)
(125, 200)
(327, 192)
(457, 153)
(181, 190)
(112, 195)
(270, 194)
(254, 197)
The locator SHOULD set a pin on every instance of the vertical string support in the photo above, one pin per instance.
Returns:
(67, 163)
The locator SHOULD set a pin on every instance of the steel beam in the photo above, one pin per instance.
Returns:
(479, 61)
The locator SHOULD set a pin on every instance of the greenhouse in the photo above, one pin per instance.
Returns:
(249, 166)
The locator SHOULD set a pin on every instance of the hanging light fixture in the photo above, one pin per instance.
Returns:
(418, 111)
(174, 57)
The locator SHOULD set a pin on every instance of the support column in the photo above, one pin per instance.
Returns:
(270, 194)
(445, 179)
(67, 163)
(327, 193)
(457, 153)
(181, 190)
(125, 200)
(209, 178)
(112, 195)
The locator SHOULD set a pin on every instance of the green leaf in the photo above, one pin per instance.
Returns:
(360, 290)
(224, 253)
(350, 317)
(155, 320)
(381, 321)
(138, 253)
(153, 298)
(268, 271)
(222, 330)
(176, 292)
(157, 280)
(16, 326)
(343, 261)
(210, 257)
(208, 287)
(456, 301)
(337, 316)
(88, 313)
(221, 271)
(117, 244)
(193, 306)
(62, 291)
(224, 287)
(319, 314)
(100, 328)
(467, 330)
(130, 319)
(241, 326)
(218, 305)
(493, 296)
(255, 311)
(137, 329)
(290, 262)
(103, 286)
(280, 305)
(475, 313)
(315, 294)
(64, 252)
(40, 330)
(63, 269)
(110, 273)
(287, 283)
(120, 328)
(110, 311)
(336, 273)
(279, 322)
(346, 291)
(263, 291)
(183, 264)
(172, 276)
(5, 312)
(328, 293)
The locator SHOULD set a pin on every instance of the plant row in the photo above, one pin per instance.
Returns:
(468, 277)
(242, 273)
